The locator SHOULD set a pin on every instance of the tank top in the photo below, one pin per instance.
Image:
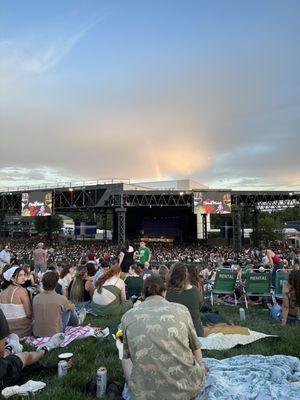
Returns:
(13, 311)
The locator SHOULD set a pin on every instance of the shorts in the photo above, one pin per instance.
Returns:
(10, 370)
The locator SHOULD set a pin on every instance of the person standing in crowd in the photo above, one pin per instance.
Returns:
(144, 254)
(4, 257)
(180, 290)
(52, 312)
(40, 258)
(15, 302)
(12, 357)
(126, 257)
(161, 355)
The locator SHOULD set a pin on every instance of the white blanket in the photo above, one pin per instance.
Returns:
(219, 341)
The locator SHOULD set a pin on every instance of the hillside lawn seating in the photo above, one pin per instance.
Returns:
(224, 284)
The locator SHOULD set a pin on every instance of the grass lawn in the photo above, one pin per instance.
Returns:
(92, 353)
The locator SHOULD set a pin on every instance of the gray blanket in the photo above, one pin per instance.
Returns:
(252, 377)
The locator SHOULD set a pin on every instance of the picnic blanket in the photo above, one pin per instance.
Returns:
(225, 329)
(71, 333)
(219, 341)
(249, 377)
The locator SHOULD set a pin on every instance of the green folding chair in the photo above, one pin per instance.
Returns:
(257, 284)
(224, 284)
(282, 276)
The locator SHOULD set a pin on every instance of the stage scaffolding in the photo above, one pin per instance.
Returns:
(115, 196)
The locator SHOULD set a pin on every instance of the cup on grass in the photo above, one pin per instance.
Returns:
(67, 357)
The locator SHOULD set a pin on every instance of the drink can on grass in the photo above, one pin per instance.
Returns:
(242, 314)
(62, 368)
(101, 379)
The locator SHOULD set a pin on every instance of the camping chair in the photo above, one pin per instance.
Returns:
(257, 284)
(224, 284)
(282, 276)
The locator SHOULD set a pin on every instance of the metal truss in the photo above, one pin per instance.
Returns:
(114, 196)
(157, 199)
(266, 201)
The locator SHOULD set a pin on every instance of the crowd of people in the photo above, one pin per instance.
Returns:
(47, 287)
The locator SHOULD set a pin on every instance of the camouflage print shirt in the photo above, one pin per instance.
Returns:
(159, 338)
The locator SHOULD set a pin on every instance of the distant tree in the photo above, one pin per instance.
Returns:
(48, 225)
(269, 228)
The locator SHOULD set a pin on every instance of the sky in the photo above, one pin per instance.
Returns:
(157, 89)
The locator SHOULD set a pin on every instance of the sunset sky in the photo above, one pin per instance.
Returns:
(152, 89)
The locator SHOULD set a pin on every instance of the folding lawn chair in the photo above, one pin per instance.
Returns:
(224, 284)
(257, 284)
(282, 276)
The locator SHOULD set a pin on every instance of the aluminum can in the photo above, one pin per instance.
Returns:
(242, 314)
(62, 368)
(101, 380)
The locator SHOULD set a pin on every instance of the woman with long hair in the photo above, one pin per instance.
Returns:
(15, 302)
(291, 299)
(196, 280)
(76, 288)
(180, 290)
(67, 275)
(110, 297)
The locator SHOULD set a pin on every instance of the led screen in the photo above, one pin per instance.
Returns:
(212, 203)
(36, 204)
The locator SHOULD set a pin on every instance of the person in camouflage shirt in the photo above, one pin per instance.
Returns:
(161, 354)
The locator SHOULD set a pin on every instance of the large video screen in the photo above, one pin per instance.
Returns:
(36, 204)
(212, 203)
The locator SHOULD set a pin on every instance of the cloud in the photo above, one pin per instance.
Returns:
(25, 57)
(232, 123)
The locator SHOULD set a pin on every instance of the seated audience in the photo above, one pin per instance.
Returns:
(15, 301)
(147, 269)
(29, 277)
(52, 312)
(180, 290)
(162, 356)
(196, 280)
(134, 281)
(82, 288)
(89, 287)
(13, 360)
(66, 276)
(163, 272)
(110, 297)
(291, 299)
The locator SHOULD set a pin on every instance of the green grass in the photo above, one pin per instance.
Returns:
(92, 353)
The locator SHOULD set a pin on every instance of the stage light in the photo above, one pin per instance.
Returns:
(181, 193)
(291, 194)
(71, 189)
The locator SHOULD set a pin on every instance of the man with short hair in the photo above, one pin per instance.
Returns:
(52, 311)
(40, 258)
(144, 254)
(161, 353)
